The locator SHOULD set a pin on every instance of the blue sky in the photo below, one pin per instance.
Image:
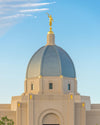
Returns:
(23, 29)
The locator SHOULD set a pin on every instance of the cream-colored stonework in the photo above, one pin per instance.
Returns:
(50, 39)
(40, 105)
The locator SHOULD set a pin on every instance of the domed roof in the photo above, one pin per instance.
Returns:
(50, 60)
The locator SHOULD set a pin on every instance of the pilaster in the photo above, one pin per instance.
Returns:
(30, 110)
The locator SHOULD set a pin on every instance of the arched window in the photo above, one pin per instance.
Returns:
(69, 87)
(32, 86)
(50, 85)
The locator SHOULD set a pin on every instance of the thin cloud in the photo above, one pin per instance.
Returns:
(1, 12)
(25, 5)
(11, 11)
(33, 10)
(15, 16)
(19, 1)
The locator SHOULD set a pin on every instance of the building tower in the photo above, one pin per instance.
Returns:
(50, 90)
(51, 85)
(50, 96)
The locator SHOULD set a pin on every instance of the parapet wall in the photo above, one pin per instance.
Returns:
(95, 106)
(5, 106)
(93, 117)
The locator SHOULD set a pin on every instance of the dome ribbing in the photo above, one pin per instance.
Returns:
(50, 61)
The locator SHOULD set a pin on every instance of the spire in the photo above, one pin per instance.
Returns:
(50, 35)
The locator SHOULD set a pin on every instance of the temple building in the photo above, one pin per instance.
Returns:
(50, 91)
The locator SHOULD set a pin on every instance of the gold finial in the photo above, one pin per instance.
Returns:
(61, 76)
(18, 104)
(83, 104)
(71, 96)
(50, 23)
(30, 96)
(40, 76)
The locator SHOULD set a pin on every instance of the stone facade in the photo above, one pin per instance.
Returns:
(40, 104)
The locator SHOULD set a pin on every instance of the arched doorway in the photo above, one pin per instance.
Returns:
(51, 119)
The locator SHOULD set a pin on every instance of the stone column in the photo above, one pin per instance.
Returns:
(19, 114)
(83, 114)
(30, 110)
(70, 109)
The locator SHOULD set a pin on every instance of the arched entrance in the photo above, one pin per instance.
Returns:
(51, 119)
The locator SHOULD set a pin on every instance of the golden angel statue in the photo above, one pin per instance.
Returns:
(50, 20)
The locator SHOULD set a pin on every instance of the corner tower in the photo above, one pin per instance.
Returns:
(50, 70)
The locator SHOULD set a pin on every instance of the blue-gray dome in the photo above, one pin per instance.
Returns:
(50, 61)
